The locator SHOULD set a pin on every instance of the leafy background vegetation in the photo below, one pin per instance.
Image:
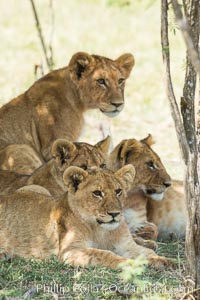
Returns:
(109, 28)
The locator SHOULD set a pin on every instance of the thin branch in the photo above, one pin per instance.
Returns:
(191, 34)
(187, 34)
(38, 67)
(169, 87)
(51, 60)
(39, 29)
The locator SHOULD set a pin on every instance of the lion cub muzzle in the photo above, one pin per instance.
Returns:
(111, 220)
(113, 109)
(154, 194)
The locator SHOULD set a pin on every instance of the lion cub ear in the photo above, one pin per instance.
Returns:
(104, 145)
(126, 63)
(149, 140)
(73, 176)
(124, 149)
(62, 151)
(127, 174)
(79, 63)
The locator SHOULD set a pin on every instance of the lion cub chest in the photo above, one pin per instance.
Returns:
(102, 239)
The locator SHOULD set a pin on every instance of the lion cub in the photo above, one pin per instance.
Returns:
(50, 175)
(54, 105)
(151, 197)
(83, 227)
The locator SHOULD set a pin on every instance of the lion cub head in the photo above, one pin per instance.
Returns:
(83, 155)
(101, 81)
(97, 194)
(151, 176)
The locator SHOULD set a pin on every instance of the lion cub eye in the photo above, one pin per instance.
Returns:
(101, 82)
(98, 194)
(118, 192)
(151, 165)
(103, 166)
(84, 167)
(121, 80)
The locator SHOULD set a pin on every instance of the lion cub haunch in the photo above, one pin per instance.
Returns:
(151, 201)
(50, 175)
(54, 105)
(83, 227)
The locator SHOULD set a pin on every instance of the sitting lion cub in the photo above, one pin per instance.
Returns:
(50, 175)
(54, 105)
(151, 197)
(83, 227)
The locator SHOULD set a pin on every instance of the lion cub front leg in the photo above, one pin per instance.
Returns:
(92, 257)
(125, 246)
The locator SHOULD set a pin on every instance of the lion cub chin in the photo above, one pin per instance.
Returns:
(84, 227)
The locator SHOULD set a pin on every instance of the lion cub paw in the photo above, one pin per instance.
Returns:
(147, 231)
(161, 262)
(151, 244)
(145, 243)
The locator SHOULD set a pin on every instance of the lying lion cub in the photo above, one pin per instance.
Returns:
(150, 198)
(54, 106)
(50, 175)
(83, 227)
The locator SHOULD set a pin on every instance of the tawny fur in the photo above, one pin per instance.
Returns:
(151, 180)
(50, 175)
(54, 105)
(170, 214)
(83, 227)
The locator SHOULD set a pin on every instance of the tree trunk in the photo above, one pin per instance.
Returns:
(190, 27)
(192, 244)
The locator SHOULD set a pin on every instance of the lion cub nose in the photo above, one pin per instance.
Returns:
(167, 183)
(116, 104)
(114, 214)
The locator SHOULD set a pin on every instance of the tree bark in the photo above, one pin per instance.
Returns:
(190, 27)
(168, 83)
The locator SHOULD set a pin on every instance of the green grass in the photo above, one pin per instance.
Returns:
(52, 279)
